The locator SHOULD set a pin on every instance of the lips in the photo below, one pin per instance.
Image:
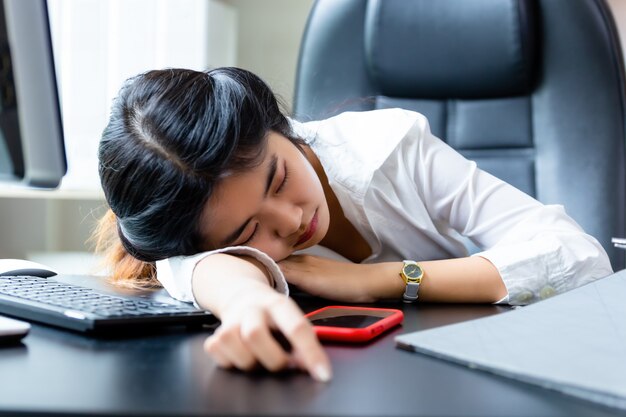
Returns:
(310, 231)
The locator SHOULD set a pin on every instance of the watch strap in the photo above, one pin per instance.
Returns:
(410, 292)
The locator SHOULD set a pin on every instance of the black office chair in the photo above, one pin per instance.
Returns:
(533, 91)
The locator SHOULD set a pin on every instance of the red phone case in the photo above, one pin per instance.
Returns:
(354, 334)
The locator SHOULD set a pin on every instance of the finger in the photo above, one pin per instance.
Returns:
(213, 349)
(266, 349)
(297, 329)
(234, 349)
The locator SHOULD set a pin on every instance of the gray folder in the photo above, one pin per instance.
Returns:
(574, 342)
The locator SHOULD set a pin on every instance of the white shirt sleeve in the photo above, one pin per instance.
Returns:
(538, 249)
(175, 273)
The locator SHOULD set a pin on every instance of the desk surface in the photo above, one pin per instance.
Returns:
(59, 372)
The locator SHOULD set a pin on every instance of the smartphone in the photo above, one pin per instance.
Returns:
(353, 324)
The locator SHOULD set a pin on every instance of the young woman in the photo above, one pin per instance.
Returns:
(212, 190)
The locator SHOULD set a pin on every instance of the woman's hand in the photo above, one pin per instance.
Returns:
(343, 281)
(245, 338)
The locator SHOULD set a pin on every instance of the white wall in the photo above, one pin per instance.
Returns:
(269, 35)
(29, 225)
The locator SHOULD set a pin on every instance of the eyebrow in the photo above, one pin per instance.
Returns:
(268, 183)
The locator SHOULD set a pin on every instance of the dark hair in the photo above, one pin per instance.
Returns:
(172, 134)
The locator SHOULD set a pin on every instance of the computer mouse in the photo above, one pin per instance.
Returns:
(12, 330)
(10, 267)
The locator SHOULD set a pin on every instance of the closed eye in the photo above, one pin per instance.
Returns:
(285, 178)
(251, 236)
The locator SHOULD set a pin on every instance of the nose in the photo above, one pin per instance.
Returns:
(285, 217)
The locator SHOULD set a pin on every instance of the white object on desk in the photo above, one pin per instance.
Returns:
(574, 342)
(24, 267)
(12, 330)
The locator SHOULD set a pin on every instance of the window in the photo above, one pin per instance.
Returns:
(98, 44)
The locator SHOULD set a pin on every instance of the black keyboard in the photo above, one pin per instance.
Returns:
(86, 309)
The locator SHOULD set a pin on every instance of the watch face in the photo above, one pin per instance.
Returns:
(412, 271)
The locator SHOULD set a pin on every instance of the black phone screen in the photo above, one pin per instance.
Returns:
(352, 321)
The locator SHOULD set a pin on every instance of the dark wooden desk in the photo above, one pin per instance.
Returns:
(56, 372)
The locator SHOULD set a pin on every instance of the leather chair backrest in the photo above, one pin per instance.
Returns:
(532, 90)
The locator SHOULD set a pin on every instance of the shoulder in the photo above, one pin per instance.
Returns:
(353, 145)
(382, 118)
(368, 135)
(371, 125)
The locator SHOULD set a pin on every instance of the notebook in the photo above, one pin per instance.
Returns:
(574, 343)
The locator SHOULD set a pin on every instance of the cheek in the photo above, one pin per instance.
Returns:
(308, 186)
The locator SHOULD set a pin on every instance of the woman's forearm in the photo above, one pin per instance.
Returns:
(473, 279)
(220, 278)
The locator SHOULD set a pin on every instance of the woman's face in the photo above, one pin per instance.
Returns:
(277, 207)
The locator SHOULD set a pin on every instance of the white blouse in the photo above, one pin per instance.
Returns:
(411, 196)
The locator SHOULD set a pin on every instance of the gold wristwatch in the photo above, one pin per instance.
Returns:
(412, 275)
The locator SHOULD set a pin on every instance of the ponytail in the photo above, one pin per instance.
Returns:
(123, 269)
